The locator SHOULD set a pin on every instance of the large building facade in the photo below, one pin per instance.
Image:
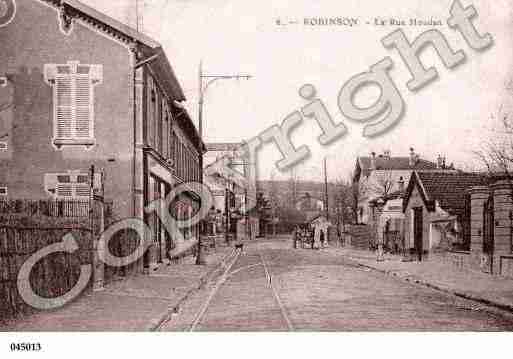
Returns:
(79, 89)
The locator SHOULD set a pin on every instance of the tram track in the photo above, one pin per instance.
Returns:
(230, 273)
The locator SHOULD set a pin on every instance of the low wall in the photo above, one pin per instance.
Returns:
(359, 236)
(506, 266)
(458, 260)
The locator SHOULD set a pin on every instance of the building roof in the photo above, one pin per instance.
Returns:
(313, 215)
(181, 116)
(448, 189)
(148, 46)
(223, 146)
(222, 169)
(396, 163)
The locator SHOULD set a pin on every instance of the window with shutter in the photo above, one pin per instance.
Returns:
(73, 86)
(73, 186)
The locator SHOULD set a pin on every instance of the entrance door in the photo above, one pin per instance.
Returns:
(488, 236)
(417, 231)
(155, 226)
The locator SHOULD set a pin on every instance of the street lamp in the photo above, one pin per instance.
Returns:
(379, 205)
(210, 79)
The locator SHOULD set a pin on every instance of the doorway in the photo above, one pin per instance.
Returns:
(488, 236)
(417, 231)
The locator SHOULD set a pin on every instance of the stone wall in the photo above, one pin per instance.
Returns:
(501, 263)
(479, 196)
(502, 193)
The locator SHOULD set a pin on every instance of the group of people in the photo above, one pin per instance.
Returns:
(308, 235)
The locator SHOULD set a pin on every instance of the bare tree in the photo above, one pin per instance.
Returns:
(357, 190)
(274, 199)
(496, 153)
(342, 201)
(382, 184)
(293, 187)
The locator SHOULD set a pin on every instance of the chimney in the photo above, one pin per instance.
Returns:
(387, 154)
(373, 161)
(440, 162)
(401, 184)
(412, 157)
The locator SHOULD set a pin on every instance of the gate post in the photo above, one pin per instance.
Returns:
(502, 209)
(478, 196)
(99, 266)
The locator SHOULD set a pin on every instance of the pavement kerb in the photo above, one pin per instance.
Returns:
(157, 322)
(416, 280)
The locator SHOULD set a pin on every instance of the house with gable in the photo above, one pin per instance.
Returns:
(437, 210)
(465, 218)
(80, 89)
(380, 175)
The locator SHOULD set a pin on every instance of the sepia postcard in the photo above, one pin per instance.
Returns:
(238, 167)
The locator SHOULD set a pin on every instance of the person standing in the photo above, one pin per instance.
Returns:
(321, 238)
(295, 235)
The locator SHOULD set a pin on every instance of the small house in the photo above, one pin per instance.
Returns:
(436, 207)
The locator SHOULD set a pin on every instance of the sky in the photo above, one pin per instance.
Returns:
(452, 116)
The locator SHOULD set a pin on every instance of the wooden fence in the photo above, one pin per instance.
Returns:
(26, 226)
(47, 213)
(52, 276)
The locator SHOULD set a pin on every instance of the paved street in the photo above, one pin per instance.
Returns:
(272, 287)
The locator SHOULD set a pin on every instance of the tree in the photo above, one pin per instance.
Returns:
(293, 187)
(357, 190)
(342, 198)
(263, 208)
(496, 153)
(382, 184)
(274, 200)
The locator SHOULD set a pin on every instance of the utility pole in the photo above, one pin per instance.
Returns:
(326, 189)
(204, 82)
(227, 213)
(326, 197)
(139, 15)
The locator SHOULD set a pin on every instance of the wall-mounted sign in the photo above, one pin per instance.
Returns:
(7, 11)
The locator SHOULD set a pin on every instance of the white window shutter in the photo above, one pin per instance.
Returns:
(73, 101)
(64, 107)
(64, 190)
(83, 190)
(83, 107)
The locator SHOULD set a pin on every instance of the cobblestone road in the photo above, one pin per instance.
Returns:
(318, 290)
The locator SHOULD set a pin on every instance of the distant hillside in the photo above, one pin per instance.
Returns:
(302, 187)
(284, 190)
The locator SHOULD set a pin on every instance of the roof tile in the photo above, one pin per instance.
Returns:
(449, 189)
(397, 163)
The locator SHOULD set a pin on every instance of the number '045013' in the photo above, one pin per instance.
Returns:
(25, 347)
